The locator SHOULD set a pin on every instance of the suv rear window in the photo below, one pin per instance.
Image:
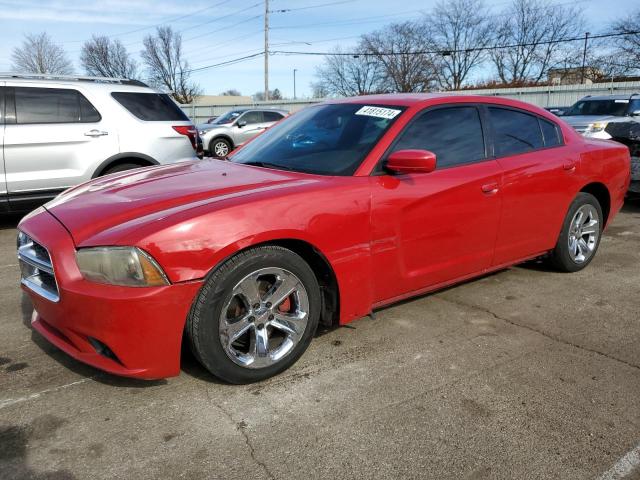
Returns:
(53, 105)
(150, 107)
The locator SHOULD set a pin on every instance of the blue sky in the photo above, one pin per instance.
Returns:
(224, 30)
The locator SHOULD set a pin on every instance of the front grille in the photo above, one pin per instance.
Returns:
(580, 128)
(36, 268)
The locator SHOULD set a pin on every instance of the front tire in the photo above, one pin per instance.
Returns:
(219, 148)
(255, 315)
(580, 235)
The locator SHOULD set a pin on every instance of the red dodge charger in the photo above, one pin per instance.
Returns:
(339, 209)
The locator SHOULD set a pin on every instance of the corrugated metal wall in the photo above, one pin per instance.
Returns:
(552, 96)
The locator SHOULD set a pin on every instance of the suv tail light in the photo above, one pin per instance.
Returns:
(189, 131)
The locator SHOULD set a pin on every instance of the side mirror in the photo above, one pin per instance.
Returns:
(241, 123)
(635, 113)
(411, 161)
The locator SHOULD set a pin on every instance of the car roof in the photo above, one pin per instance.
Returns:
(259, 109)
(83, 84)
(426, 99)
(608, 97)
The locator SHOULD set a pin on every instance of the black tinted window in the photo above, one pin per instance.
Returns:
(46, 105)
(251, 117)
(151, 107)
(550, 132)
(453, 134)
(88, 113)
(271, 116)
(515, 132)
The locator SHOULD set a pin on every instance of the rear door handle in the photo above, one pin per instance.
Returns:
(490, 188)
(95, 133)
(569, 165)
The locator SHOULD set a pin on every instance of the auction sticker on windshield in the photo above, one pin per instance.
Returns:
(378, 112)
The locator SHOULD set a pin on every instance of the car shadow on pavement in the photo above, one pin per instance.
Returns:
(9, 221)
(73, 365)
(631, 205)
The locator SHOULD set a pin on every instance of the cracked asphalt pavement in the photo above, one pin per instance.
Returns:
(526, 373)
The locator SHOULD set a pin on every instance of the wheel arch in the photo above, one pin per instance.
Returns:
(602, 194)
(125, 157)
(225, 137)
(321, 266)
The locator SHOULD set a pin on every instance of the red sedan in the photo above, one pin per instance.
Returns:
(338, 210)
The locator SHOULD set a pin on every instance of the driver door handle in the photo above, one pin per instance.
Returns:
(490, 188)
(95, 133)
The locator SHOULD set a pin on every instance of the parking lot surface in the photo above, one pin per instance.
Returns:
(526, 373)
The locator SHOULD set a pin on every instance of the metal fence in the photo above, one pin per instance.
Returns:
(550, 96)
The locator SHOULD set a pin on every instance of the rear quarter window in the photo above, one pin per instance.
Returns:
(150, 107)
(550, 133)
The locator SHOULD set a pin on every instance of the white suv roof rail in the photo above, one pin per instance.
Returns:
(77, 78)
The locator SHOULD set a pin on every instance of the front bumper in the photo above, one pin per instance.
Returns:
(134, 332)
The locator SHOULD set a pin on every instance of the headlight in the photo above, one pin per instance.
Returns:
(127, 266)
(596, 127)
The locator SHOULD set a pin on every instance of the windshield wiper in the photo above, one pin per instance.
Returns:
(267, 165)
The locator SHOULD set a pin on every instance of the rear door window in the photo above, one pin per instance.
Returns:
(150, 107)
(454, 134)
(514, 132)
(272, 116)
(53, 105)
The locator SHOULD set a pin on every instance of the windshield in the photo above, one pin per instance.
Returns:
(323, 139)
(616, 108)
(227, 117)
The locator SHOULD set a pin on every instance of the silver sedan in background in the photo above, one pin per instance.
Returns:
(235, 127)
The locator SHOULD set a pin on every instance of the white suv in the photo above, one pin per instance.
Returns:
(56, 132)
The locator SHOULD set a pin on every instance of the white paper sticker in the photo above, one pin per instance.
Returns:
(621, 101)
(379, 112)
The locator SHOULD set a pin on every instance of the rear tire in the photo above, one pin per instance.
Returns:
(580, 235)
(255, 315)
(120, 168)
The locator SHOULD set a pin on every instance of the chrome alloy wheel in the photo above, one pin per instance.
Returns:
(221, 149)
(264, 318)
(584, 231)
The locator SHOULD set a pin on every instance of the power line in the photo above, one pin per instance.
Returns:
(287, 10)
(173, 19)
(228, 62)
(465, 50)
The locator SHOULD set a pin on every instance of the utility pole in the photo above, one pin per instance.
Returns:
(266, 50)
(294, 82)
(584, 55)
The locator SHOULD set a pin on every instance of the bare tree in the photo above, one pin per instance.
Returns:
(399, 48)
(166, 66)
(103, 57)
(232, 92)
(627, 47)
(273, 95)
(532, 29)
(319, 90)
(348, 75)
(39, 54)
(459, 29)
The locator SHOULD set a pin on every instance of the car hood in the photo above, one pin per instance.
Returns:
(587, 119)
(147, 194)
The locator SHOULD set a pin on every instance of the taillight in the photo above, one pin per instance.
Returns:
(189, 131)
